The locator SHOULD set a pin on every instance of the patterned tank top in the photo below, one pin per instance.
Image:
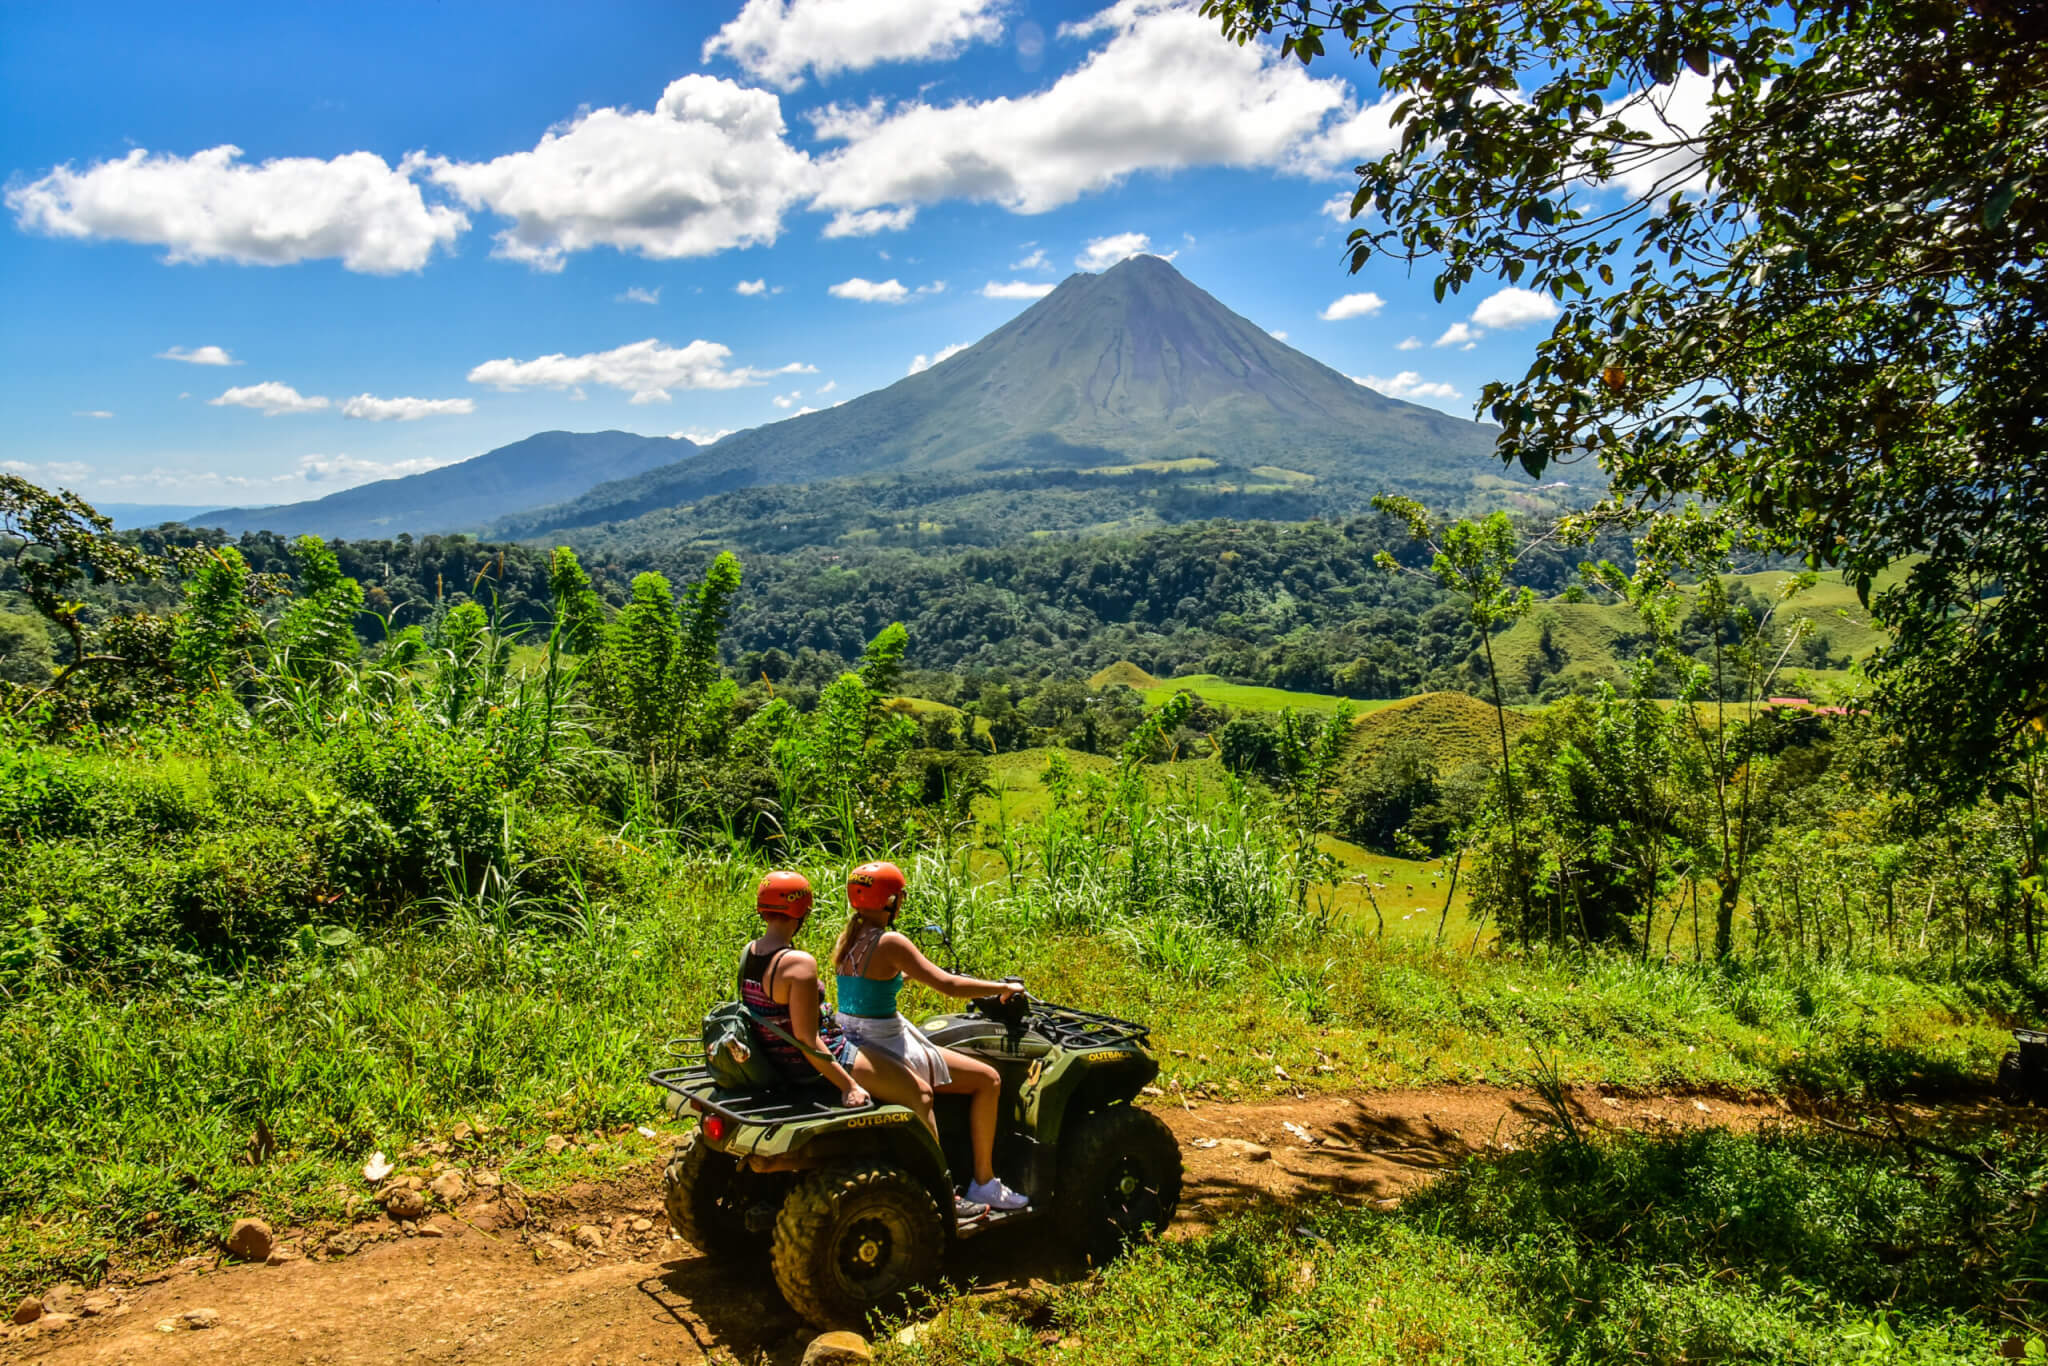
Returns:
(763, 1006)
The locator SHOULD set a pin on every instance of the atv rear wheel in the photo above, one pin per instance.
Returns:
(851, 1239)
(1119, 1180)
(2015, 1087)
(707, 1196)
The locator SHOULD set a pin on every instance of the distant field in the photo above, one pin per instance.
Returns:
(1249, 698)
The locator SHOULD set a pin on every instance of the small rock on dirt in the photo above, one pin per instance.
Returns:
(29, 1310)
(51, 1322)
(200, 1318)
(249, 1240)
(429, 1231)
(589, 1236)
(643, 1226)
(449, 1188)
(280, 1255)
(1246, 1149)
(837, 1349)
(92, 1306)
(404, 1204)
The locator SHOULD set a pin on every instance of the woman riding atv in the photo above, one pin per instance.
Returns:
(779, 983)
(901, 1065)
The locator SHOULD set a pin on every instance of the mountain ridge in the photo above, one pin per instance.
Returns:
(467, 495)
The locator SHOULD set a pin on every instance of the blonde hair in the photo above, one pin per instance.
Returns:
(854, 925)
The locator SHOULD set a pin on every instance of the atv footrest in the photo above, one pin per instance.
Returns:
(970, 1228)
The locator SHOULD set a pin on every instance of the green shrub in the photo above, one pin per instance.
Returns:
(418, 804)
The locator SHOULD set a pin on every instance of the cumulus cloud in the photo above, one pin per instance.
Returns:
(702, 438)
(1016, 289)
(1670, 118)
(199, 355)
(213, 206)
(271, 399)
(1459, 334)
(1362, 134)
(1410, 344)
(637, 295)
(922, 362)
(350, 471)
(1408, 385)
(1277, 335)
(705, 170)
(1104, 252)
(647, 370)
(828, 386)
(48, 472)
(1352, 306)
(93, 412)
(778, 40)
(1513, 307)
(751, 287)
(1160, 95)
(1035, 261)
(1338, 206)
(870, 291)
(787, 400)
(369, 408)
(868, 222)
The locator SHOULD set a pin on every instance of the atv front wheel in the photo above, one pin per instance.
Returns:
(1119, 1180)
(850, 1239)
(707, 1195)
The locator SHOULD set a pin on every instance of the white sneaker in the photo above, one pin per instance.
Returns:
(995, 1195)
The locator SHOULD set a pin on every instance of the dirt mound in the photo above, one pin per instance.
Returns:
(1458, 729)
(1126, 673)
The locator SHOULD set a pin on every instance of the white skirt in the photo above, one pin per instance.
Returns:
(901, 1040)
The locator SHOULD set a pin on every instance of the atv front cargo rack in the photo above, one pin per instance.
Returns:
(1071, 1028)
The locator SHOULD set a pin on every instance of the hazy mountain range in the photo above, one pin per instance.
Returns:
(1133, 372)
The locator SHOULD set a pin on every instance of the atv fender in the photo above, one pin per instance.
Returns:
(887, 1133)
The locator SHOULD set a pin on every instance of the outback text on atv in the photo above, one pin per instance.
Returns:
(848, 1202)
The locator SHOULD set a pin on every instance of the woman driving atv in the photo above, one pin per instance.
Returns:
(780, 984)
(872, 960)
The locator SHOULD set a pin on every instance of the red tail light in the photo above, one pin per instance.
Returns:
(714, 1128)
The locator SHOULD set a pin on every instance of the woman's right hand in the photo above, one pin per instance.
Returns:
(854, 1098)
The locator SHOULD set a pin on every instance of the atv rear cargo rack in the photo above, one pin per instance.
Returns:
(693, 1083)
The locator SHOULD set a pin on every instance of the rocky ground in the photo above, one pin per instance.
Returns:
(465, 1268)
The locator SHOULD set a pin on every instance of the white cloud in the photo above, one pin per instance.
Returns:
(199, 355)
(776, 41)
(1459, 334)
(703, 438)
(1160, 95)
(1016, 289)
(828, 386)
(349, 471)
(1277, 335)
(1104, 252)
(271, 399)
(1352, 306)
(645, 369)
(787, 400)
(1668, 117)
(48, 472)
(1363, 134)
(1409, 385)
(705, 170)
(922, 362)
(1512, 307)
(93, 412)
(870, 291)
(1338, 206)
(751, 287)
(935, 287)
(1410, 344)
(868, 222)
(372, 409)
(637, 295)
(1035, 261)
(212, 206)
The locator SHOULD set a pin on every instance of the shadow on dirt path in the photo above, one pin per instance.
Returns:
(595, 1277)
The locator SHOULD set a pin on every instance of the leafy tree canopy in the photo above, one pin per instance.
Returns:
(1798, 250)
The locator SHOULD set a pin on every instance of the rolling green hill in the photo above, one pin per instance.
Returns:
(1134, 374)
(1458, 729)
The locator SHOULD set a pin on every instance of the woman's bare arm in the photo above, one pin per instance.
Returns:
(898, 954)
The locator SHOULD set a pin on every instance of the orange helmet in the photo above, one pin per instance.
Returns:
(784, 894)
(874, 886)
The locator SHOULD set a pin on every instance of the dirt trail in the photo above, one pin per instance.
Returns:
(528, 1295)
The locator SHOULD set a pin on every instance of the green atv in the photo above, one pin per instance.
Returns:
(848, 1203)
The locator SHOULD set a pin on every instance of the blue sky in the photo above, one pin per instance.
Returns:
(449, 226)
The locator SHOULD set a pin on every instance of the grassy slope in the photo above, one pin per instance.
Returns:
(1247, 697)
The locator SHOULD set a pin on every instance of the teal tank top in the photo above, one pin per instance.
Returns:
(865, 996)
